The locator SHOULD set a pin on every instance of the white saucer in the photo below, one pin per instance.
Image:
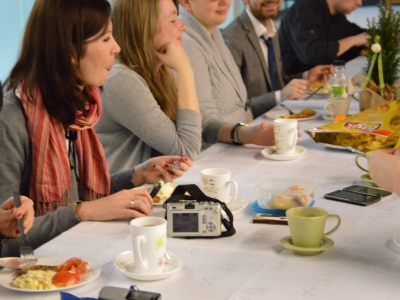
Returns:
(125, 263)
(396, 239)
(270, 153)
(326, 244)
(237, 205)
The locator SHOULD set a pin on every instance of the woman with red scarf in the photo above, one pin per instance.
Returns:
(49, 150)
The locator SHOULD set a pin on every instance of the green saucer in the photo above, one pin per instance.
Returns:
(326, 244)
(368, 179)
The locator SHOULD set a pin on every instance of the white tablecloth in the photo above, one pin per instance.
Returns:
(252, 265)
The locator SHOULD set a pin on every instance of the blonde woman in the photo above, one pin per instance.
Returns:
(147, 112)
(222, 94)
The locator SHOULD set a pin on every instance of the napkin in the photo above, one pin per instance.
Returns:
(67, 296)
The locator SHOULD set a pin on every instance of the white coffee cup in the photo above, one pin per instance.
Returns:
(285, 131)
(216, 182)
(337, 106)
(149, 235)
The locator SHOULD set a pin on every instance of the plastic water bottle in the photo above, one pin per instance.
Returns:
(340, 81)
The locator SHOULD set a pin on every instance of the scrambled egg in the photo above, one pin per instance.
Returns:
(35, 280)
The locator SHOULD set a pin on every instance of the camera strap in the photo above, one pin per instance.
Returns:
(193, 192)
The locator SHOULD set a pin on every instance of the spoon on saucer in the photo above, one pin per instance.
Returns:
(17, 263)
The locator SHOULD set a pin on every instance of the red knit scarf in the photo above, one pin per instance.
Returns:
(50, 182)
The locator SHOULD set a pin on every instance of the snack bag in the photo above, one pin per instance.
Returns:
(372, 129)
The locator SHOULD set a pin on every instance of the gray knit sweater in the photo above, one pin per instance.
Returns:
(133, 127)
(15, 170)
(220, 88)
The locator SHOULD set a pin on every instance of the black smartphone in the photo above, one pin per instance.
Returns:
(366, 190)
(352, 197)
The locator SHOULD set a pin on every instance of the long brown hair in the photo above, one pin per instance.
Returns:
(53, 43)
(135, 24)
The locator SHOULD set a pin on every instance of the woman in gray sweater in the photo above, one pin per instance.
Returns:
(221, 91)
(49, 150)
(146, 113)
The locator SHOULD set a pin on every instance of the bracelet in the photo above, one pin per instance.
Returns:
(75, 207)
(233, 133)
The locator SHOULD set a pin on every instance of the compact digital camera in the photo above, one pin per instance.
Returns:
(116, 293)
(193, 219)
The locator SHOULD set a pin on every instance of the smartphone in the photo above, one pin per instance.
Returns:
(368, 190)
(352, 197)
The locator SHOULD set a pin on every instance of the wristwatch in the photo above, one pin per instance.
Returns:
(233, 131)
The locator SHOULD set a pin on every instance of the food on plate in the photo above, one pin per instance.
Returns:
(35, 280)
(165, 192)
(305, 113)
(326, 88)
(41, 277)
(288, 200)
(372, 129)
(65, 278)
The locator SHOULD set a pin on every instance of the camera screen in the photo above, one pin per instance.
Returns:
(185, 222)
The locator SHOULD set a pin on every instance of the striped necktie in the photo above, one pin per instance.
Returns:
(271, 62)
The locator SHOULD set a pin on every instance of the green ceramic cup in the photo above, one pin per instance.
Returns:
(307, 225)
(366, 155)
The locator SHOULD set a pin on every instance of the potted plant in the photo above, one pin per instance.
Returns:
(382, 81)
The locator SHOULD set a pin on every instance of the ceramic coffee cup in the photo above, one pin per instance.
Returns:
(149, 235)
(216, 182)
(285, 131)
(307, 225)
(337, 106)
(366, 156)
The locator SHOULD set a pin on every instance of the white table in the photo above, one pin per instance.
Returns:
(363, 264)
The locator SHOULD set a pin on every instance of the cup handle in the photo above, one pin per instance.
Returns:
(294, 138)
(140, 262)
(358, 165)
(235, 189)
(337, 225)
(327, 108)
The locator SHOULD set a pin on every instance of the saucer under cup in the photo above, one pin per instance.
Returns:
(285, 131)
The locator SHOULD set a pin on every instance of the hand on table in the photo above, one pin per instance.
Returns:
(9, 215)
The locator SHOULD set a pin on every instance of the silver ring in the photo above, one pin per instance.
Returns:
(133, 203)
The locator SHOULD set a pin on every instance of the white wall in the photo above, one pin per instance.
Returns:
(13, 15)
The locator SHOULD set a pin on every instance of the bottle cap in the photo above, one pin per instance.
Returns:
(339, 62)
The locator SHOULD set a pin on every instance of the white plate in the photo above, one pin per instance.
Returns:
(270, 153)
(254, 146)
(237, 205)
(276, 114)
(125, 263)
(8, 275)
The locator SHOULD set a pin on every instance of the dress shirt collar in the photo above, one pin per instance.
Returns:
(260, 29)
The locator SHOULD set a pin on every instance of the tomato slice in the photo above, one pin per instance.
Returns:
(65, 278)
(76, 265)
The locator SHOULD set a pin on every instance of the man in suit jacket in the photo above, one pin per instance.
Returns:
(243, 38)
